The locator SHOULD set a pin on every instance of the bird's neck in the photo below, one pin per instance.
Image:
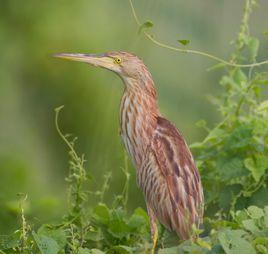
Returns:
(138, 114)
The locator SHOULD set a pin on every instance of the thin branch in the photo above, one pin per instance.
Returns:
(57, 110)
(192, 51)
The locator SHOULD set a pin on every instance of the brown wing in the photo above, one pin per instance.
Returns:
(171, 181)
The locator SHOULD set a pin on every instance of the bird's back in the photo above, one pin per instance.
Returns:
(170, 180)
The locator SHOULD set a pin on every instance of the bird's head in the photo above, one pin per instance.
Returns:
(126, 65)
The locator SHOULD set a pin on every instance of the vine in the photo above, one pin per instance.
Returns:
(248, 9)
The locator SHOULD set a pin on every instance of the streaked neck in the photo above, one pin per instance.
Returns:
(138, 113)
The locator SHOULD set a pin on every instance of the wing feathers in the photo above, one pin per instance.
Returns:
(171, 169)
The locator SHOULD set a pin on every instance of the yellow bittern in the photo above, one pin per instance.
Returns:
(166, 172)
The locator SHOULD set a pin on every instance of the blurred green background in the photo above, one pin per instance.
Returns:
(33, 159)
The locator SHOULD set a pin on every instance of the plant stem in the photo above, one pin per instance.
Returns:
(191, 51)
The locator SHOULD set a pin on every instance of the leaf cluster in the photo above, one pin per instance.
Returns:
(233, 158)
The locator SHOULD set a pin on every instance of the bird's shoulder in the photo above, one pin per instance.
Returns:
(170, 145)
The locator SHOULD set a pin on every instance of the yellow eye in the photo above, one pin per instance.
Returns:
(118, 60)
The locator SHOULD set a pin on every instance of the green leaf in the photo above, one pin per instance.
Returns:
(266, 217)
(140, 212)
(226, 196)
(251, 226)
(240, 77)
(96, 251)
(184, 42)
(261, 81)
(197, 145)
(91, 251)
(216, 249)
(119, 228)
(84, 251)
(232, 168)
(57, 234)
(46, 244)
(262, 249)
(214, 135)
(263, 106)
(193, 248)
(261, 244)
(202, 242)
(228, 81)
(147, 24)
(138, 221)
(120, 249)
(240, 137)
(201, 123)
(255, 212)
(253, 45)
(101, 214)
(239, 216)
(9, 241)
(257, 167)
(233, 242)
(259, 198)
(95, 235)
(216, 66)
(172, 250)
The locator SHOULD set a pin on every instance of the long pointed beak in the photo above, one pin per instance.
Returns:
(100, 60)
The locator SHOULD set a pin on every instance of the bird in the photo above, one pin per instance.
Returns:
(165, 168)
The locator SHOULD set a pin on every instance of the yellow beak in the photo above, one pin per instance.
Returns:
(101, 60)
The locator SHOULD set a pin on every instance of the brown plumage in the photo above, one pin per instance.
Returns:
(166, 172)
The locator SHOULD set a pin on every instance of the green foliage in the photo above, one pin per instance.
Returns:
(233, 156)
(84, 229)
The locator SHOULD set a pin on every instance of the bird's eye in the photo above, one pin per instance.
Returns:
(118, 60)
